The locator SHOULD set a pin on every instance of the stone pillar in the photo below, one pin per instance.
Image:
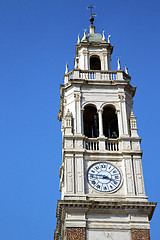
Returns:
(105, 63)
(77, 233)
(82, 123)
(78, 112)
(119, 122)
(79, 173)
(100, 122)
(140, 234)
(123, 113)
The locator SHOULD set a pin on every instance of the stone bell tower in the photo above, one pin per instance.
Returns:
(101, 179)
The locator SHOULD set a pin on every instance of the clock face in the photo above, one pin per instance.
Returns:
(104, 177)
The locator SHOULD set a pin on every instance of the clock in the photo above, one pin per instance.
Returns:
(104, 177)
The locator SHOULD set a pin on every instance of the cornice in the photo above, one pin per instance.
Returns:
(87, 206)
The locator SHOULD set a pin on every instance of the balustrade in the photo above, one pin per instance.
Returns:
(91, 144)
(94, 143)
(112, 145)
(98, 75)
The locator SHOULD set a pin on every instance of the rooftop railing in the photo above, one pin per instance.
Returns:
(96, 75)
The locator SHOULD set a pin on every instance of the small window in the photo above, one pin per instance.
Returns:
(95, 63)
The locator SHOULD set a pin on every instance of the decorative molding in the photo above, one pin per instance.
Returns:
(63, 206)
(77, 97)
(122, 97)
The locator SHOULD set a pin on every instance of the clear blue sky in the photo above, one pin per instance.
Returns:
(37, 37)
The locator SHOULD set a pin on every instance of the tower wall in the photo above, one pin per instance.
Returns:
(101, 177)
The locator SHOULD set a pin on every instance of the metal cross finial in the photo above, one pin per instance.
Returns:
(92, 15)
(91, 8)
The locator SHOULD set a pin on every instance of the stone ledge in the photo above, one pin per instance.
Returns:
(63, 206)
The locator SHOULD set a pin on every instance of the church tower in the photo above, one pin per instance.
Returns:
(101, 179)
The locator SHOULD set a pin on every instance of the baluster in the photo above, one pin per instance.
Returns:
(86, 145)
(111, 146)
(115, 146)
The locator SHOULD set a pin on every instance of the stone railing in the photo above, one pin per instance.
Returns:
(96, 75)
(112, 145)
(101, 75)
(91, 144)
(105, 144)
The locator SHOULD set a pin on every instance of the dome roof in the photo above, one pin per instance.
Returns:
(93, 37)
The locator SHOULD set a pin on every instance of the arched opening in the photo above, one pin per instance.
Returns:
(110, 123)
(95, 63)
(90, 120)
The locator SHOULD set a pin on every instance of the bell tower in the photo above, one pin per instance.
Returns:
(101, 178)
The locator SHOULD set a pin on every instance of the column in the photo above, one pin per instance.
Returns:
(100, 111)
(123, 112)
(78, 112)
(82, 124)
(119, 123)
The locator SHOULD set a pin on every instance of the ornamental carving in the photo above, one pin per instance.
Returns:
(77, 97)
(122, 97)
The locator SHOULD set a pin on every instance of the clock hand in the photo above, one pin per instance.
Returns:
(111, 179)
(98, 175)
(102, 176)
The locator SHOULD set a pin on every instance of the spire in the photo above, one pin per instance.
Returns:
(133, 125)
(76, 62)
(109, 38)
(126, 69)
(78, 41)
(103, 36)
(84, 37)
(66, 68)
(119, 65)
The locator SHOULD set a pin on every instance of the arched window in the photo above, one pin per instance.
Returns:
(95, 63)
(90, 120)
(110, 123)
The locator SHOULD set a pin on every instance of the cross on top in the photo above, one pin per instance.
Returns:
(91, 8)
(92, 15)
